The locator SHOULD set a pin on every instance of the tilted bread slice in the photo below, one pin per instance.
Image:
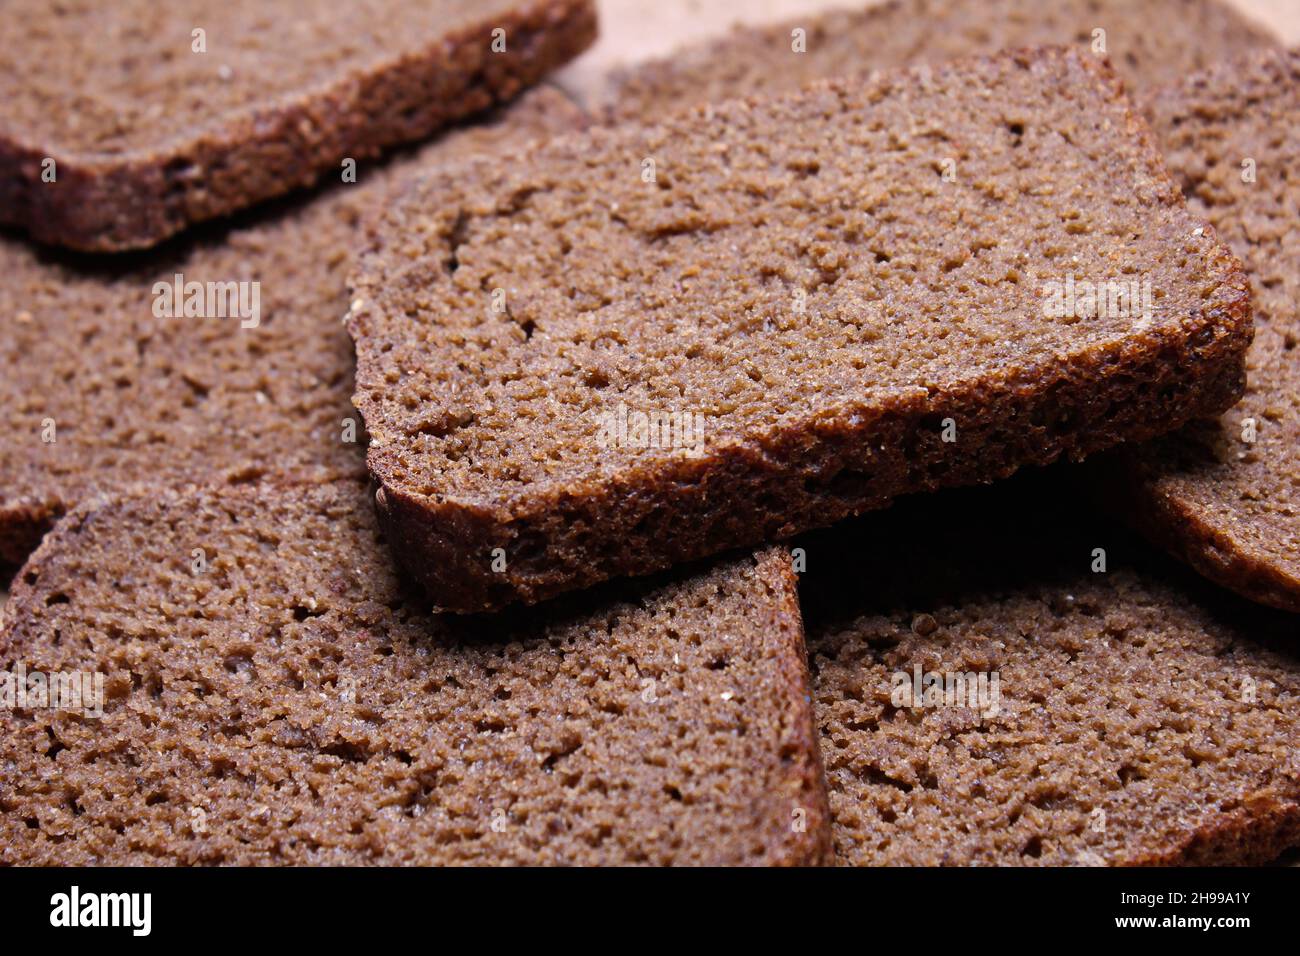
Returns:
(646, 344)
(1192, 35)
(1224, 495)
(197, 109)
(1034, 687)
(272, 695)
(109, 381)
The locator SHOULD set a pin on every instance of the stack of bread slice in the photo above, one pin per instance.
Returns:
(406, 466)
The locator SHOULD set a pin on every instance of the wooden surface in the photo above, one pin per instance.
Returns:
(634, 30)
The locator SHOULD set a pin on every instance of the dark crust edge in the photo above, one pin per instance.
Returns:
(1169, 521)
(51, 525)
(25, 520)
(800, 780)
(113, 204)
(21, 530)
(1133, 493)
(23, 594)
(1255, 834)
(804, 784)
(626, 526)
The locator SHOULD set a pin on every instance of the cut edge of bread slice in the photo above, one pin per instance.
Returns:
(113, 203)
(447, 538)
(1181, 491)
(732, 767)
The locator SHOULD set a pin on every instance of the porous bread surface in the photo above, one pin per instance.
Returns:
(1228, 506)
(800, 275)
(1139, 722)
(1122, 735)
(1150, 43)
(134, 397)
(149, 135)
(291, 703)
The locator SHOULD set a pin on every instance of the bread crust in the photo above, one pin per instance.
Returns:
(193, 384)
(1213, 547)
(774, 481)
(805, 784)
(117, 202)
(1219, 502)
(298, 694)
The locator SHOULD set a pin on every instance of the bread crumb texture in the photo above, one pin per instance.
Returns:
(290, 703)
(1141, 715)
(1124, 735)
(1192, 35)
(1225, 494)
(830, 285)
(159, 116)
(128, 396)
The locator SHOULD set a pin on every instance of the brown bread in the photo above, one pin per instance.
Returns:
(802, 297)
(1140, 717)
(149, 136)
(1151, 43)
(288, 702)
(133, 397)
(1227, 505)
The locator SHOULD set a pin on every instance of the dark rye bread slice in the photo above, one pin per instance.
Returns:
(1142, 717)
(133, 397)
(1192, 34)
(1228, 506)
(819, 306)
(148, 136)
(291, 704)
